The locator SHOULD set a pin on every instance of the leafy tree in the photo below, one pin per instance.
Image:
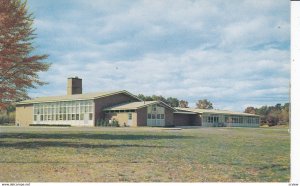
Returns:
(271, 115)
(278, 106)
(204, 104)
(273, 118)
(250, 110)
(11, 108)
(174, 102)
(141, 96)
(159, 98)
(183, 104)
(284, 115)
(262, 110)
(19, 68)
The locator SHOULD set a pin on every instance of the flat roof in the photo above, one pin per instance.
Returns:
(85, 96)
(214, 111)
(183, 112)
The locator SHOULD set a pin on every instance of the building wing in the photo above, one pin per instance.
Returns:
(213, 111)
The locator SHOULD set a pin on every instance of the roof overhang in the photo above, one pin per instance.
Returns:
(117, 107)
(213, 111)
(192, 113)
(56, 99)
(118, 92)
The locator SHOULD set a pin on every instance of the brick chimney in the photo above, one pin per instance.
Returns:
(74, 86)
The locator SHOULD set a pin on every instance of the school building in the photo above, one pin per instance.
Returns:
(90, 109)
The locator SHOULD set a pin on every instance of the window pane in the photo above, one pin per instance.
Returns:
(91, 116)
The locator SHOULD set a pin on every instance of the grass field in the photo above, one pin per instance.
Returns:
(144, 155)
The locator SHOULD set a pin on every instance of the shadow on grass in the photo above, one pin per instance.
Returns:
(273, 166)
(40, 140)
(90, 136)
(62, 144)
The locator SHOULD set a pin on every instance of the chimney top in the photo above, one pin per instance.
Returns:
(74, 85)
(76, 77)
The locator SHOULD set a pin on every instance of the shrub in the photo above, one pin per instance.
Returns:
(51, 125)
(115, 123)
(7, 119)
(105, 123)
(221, 125)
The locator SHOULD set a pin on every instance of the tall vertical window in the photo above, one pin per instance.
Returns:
(64, 110)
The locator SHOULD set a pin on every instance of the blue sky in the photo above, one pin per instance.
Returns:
(234, 54)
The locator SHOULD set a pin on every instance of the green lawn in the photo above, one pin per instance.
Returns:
(144, 155)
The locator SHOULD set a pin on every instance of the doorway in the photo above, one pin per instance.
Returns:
(129, 122)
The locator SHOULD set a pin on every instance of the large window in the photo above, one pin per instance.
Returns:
(65, 110)
(212, 119)
(129, 116)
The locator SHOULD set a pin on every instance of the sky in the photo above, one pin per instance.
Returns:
(234, 53)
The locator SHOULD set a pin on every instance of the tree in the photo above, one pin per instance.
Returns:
(204, 104)
(250, 110)
(141, 96)
(159, 98)
(173, 102)
(19, 68)
(271, 115)
(183, 104)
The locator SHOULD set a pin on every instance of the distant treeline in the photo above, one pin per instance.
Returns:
(174, 102)
(272, 115)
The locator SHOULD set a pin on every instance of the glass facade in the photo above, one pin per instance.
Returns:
(63, 111)
(155, 115)
(230, 120)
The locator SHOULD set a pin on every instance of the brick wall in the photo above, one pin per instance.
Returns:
(102, 103)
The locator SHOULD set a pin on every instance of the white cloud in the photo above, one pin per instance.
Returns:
(233, 54)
